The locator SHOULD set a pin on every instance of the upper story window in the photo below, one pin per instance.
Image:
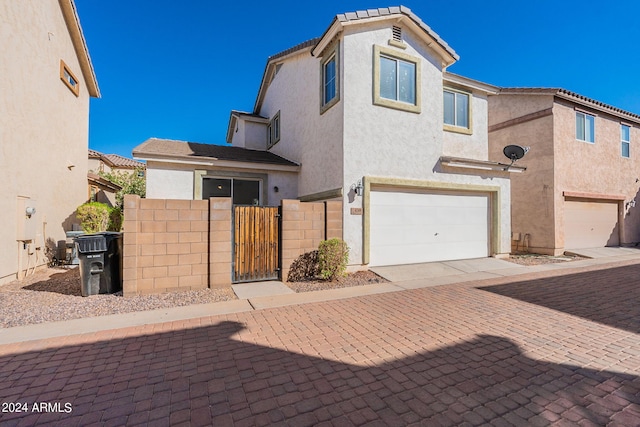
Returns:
(69, 78)
(625, 138)
(330, 72)
(396, 80)
(273, 131)
(585, 127)
(457, 111)
(329, 79)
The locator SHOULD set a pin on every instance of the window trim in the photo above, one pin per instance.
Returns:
(623, 141)
(379, 51)
(455, 128)
(233, 178)
(274, 130)
(331, 53)
(65, 73)
(585, 114)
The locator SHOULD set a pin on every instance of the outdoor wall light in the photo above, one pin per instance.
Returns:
(358, 188)
(276, 189)
(30, 211)
(631, 204)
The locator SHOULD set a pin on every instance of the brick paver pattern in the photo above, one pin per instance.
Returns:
(484, 353)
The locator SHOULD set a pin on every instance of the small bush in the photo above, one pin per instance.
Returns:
(305, 267)
(115, 219)
(93, 216)
(333, 256)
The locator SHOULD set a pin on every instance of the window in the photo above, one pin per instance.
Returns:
(585, 127)
(625, 138)
(273, 131)
(456, 109)
(330, 75)
(69, 78)
(329, 80)
(241, 191)
(396, 80)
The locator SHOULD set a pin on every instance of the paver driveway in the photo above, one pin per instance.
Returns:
(544, 350)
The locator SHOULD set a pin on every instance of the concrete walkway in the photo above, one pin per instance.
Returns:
(263, 295)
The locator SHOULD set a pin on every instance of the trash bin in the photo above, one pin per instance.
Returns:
(100, 263)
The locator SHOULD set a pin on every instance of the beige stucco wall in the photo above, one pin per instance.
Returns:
(43, 126)
(558, 162)
(177, 181)
(307, 137)
(532, 191)
(473, 146)
(385, 142)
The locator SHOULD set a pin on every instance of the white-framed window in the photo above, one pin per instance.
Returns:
(585, 127)
(396, 79)
(273, 131)
(456, 109)
(625, 140)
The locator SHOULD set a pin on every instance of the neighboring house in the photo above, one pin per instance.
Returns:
(46, 81)
(583, 172)
(372, 118)
(100, 188)
(99, 162)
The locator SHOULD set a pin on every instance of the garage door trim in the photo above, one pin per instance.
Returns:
(369, 182)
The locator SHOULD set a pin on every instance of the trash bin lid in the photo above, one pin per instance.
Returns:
(91, 243)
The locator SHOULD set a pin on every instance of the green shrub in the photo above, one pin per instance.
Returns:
(333, 256)
(115, 219)
(93, 216)
(305, 267)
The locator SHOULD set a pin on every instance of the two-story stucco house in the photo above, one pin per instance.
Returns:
(583, 172)
(46, 81)
(368, 115)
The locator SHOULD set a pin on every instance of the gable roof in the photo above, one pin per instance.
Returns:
(573, 97)
(115, 160)
(341, 20)
(155, 148)
(72, 20)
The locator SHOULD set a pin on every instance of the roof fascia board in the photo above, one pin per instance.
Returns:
(72, 21)
(447, 58)
(475, 85)
(327, 37)
(233, 120)
(219, 163)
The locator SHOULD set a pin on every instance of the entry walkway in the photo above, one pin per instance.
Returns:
(555, 347)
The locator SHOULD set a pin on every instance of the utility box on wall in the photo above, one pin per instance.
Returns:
(27, 224)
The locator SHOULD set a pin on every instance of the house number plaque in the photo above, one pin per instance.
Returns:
(356, 211)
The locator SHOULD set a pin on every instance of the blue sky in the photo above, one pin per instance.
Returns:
(174, 70)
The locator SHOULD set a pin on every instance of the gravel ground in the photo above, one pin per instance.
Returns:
(54, 294)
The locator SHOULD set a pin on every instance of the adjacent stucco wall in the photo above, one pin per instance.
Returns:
(532, 191)
(307, 137)
(178, 181)
(43, 127)
(384, 142)
(557, 162)
(255, 135)
(598, 168)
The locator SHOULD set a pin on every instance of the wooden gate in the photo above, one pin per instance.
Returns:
(256, 241)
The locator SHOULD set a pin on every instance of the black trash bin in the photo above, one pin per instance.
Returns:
(100, 263)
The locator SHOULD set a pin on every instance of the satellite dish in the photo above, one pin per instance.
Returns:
(514, 152)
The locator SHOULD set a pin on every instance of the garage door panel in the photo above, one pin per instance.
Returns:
(590, 224)
(422, 227)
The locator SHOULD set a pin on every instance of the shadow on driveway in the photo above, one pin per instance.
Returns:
(204, 376)
(610, 296)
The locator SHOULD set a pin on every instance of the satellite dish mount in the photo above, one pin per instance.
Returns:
(514, 153)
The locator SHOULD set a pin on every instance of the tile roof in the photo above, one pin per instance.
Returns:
(182, 149)
(572, 96)
(396, 10)
(93, 154)
(122, 162)
(309, 43)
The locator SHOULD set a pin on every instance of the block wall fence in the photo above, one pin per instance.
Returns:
(180, 245)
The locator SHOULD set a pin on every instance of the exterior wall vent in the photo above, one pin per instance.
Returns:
(397, 33)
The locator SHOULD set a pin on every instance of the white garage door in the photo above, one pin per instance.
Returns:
(410, 227)
(590, 224)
